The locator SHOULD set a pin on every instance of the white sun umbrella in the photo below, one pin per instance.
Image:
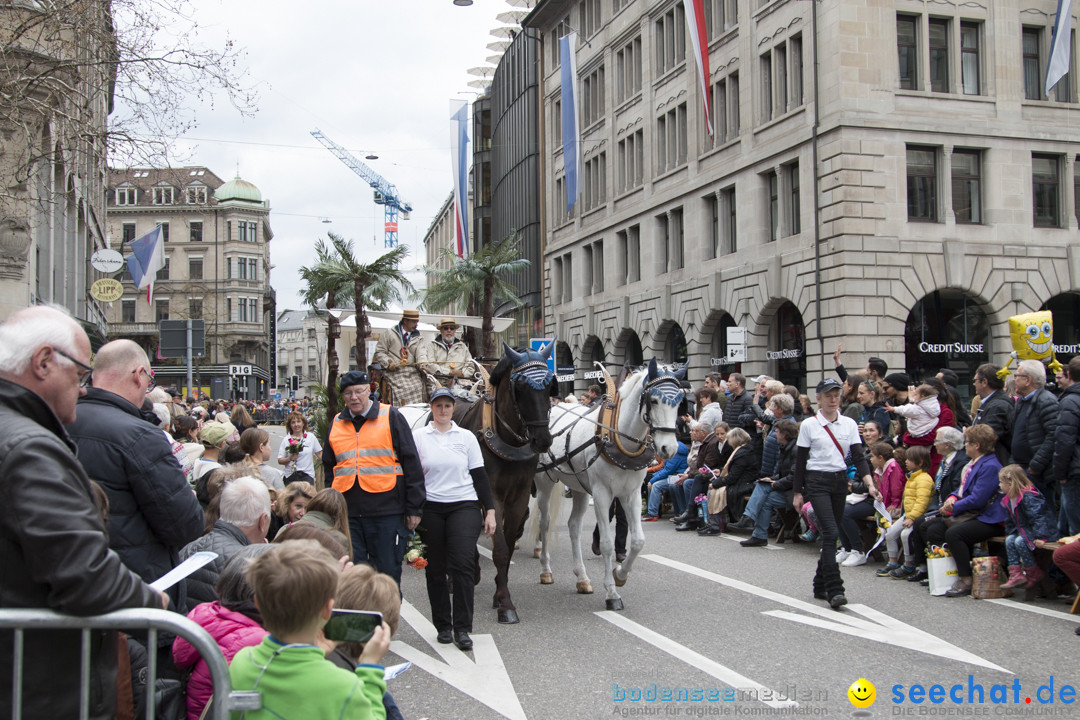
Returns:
(505, 31)
(498, 46)
(481, 84)
(511, 17)
(484, 72)
(521, 3)
(494, 59)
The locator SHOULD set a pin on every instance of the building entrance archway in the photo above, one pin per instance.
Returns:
(1066, 310)
(786, 351)
(947, 329)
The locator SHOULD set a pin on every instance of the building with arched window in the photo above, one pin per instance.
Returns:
(883, 175)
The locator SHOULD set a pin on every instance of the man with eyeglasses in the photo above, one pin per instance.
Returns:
(1034, 425)
(153, 512)
(370, 455)
(55, 553)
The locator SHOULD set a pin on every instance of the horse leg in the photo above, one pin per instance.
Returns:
(581, 501)
(631, 503)
(515, 512)
(543, 500)
(602, 499)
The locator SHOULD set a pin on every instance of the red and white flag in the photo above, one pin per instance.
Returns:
(699, 39)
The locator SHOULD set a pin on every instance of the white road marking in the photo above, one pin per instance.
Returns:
(680, 652)
(484, 680)
(873, 625)
(1035, 609)
(487, 553)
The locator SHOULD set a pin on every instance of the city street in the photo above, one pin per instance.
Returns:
(704, 615)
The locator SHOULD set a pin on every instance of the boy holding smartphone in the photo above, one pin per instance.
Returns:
(294, 588)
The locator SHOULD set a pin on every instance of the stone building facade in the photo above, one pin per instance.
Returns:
(301, 351)
(889, 175)
(217, 248)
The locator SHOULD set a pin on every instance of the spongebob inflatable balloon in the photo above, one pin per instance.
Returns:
(1032, 336)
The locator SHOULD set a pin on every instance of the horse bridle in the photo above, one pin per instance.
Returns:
(537, 375)
(666, 389)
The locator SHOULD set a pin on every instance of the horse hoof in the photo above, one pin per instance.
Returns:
(546, 579)
(536, 553)
(618, 582)
(508, 617)
(584, 587)
(614, 604)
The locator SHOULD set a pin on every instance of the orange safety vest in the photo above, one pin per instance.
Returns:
(367, 455)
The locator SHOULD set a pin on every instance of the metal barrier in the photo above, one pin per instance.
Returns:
(225, 698)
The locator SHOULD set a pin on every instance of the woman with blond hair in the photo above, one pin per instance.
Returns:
(299, 450)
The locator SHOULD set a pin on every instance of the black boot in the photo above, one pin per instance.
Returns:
(691, 522)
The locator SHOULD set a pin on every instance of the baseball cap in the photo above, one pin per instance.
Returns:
(214, 433)
(828, 384)
(440, 393)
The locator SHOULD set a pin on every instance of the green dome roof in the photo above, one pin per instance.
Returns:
(237, 189)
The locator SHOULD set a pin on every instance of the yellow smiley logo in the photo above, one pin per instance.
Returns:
(862, 693)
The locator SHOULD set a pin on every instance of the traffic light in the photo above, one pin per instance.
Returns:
(295, 383)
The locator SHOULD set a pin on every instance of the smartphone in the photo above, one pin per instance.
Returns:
(355, 626)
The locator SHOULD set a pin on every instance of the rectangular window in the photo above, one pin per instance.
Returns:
(253, 310)
(669, 37)
(795, 205)
(720, 109)
(631, 161)
(195, 232)
(712, 216)
(229, 269)
(633, 253)
(774, 206)
(730, 244)
(563, 28)
(720, 15)
(671, 139)
(907, 47)
(795, 50)
(164, 231)
(922, 183)
(598, 266)
(766, 87)
(592, 97)
(967, 186)
(1031, 40)
(939, 55)
(161, 308)
(127, 311)
(128, 231)
(1076, 188)
(126, 196)
(163, 196)
(1045, 186)
(677, 240)
(253, 269)
(195, 308)
(587, 269)
(556, 279)
(568, 277)
(663, 240)
(229, 309)
(780, 63)
(312, 372)
(594, 190)
(195, 268)
(628, 70)
(556, 122)
(242, 306)
(734, 108)
(196, 195)
(590, 17)
(163, 273)
(969, 57)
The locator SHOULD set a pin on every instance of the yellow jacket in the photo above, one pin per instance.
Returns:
(917, 493)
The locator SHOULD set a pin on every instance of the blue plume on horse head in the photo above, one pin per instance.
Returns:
(665, 385)
(531, 366)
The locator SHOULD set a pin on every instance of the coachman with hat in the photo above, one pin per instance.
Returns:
(397, 351)
(370, 454)
(445, 357)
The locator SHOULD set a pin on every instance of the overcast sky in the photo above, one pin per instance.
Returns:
(374, 77)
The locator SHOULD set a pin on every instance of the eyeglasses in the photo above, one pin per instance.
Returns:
(149, 377)
(87, 371)
(1021, 375)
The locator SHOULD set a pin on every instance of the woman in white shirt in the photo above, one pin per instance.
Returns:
(457, 488)
(299, 466)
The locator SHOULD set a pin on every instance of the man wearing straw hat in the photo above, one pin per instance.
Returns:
(397, 351)
(446, 357)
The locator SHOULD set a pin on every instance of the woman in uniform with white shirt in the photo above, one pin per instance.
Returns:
(459, 506)
(826, 440)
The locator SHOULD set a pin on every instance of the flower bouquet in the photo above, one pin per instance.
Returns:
(293, 448)
(938, 551)
(414, 554)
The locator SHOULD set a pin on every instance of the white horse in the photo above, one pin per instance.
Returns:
(603, 451)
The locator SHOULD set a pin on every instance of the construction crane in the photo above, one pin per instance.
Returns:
(385, 193)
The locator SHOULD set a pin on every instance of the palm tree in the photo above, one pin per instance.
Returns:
(325, 281)
(482, 275)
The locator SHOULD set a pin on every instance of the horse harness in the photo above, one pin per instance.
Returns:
(534, 373)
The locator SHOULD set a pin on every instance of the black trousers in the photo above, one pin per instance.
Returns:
(622, 526)
(827, 496)
(960, 538)
(450, 531)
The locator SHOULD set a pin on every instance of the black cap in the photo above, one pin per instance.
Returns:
(828, 384)
(353, 377)
(900, 381)
(173, 392)
(440, 393)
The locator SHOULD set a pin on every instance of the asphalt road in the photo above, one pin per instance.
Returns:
(731, 631)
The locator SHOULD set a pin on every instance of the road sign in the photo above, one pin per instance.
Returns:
(235, 370)
(173, 338)
(538, 344)
(277, 396)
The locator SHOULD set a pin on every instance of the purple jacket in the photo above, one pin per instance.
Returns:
(981, 490)
(231, 630)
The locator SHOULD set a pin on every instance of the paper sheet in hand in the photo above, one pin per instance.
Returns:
(182, 570)
(394, 670)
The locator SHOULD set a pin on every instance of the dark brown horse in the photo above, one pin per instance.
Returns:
(511, 423)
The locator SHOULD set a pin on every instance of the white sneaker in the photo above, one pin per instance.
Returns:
(842, 555)
(854, 559)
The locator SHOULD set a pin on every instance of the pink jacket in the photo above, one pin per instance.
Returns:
(231, 630)
(891, 485)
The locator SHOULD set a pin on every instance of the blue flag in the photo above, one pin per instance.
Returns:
(1060, 46)
(571, 129)
(146, 258)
